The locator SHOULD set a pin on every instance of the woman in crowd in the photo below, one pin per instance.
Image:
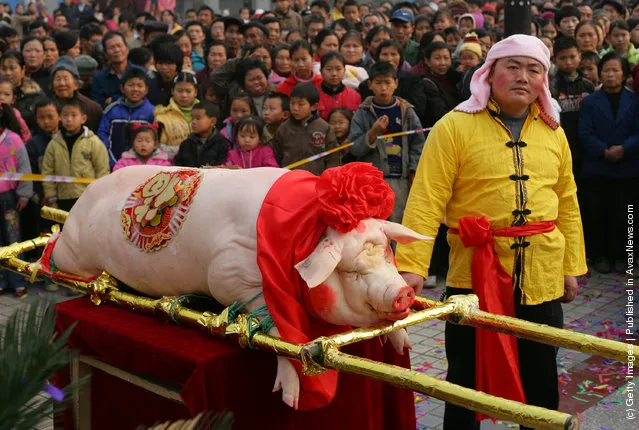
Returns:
(27, 91)
(51, 53)
(587, 36)
(32, 50)
(65, 82)
(281, 60)
(609, 133)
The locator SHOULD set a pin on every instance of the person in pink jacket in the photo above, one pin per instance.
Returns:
(8, 96)
(250, 151)
(144, 149)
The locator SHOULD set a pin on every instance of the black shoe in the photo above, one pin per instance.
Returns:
(602, 265)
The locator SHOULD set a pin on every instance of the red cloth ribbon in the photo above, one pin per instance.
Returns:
(289, 227)
(496, 356)
(138, 125)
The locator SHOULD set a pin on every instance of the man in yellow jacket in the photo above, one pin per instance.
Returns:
(498, 170)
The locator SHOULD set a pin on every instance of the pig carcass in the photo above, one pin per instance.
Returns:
(226, 233)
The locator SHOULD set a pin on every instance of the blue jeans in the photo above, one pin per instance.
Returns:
(9, 233)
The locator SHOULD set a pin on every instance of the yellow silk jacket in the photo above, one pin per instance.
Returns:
(470, 166)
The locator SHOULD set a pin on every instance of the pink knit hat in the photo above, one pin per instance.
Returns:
(513, 46)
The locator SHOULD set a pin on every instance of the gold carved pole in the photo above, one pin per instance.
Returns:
(52, 214)
(531, 416)
(468, 313)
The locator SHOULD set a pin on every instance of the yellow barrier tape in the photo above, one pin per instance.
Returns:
(7, 176)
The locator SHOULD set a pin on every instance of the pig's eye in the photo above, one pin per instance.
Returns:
(355, 275)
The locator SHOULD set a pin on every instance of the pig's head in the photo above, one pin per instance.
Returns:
(352, 276)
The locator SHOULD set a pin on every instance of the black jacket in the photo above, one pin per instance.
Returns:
(570, 93)
(35, 148)
(195, 153)
(442, 96)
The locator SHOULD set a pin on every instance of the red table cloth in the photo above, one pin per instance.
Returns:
(214, 375)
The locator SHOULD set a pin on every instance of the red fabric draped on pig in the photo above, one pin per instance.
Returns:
(303, 205)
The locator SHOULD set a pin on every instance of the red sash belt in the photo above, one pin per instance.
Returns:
(496, 357)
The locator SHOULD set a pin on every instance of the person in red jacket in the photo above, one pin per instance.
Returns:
(302, 65)
(333, 94)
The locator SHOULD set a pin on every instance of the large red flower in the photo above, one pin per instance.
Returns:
(352, 193)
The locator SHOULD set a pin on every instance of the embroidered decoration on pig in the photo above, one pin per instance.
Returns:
(312, 245)
(156, 209)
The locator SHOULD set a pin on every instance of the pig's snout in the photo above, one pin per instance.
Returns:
(404, 299)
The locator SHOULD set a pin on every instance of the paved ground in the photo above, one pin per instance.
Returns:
(591, 387)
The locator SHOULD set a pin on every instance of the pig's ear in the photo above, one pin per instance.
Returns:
(317, 267)
(402, 234)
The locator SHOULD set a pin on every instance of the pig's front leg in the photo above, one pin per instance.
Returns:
(287, 379)
(399, 339)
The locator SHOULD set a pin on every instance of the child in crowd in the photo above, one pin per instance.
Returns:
(8, 96)
(466, 23)
(274, 113)
(73, 151)
(302, 66)
(48, 119)
(589, 67)
(205, 146)
(333, 93)
(175, 119)
(241, 106)
(143, 58)
(68, 43)
(250, 151)
(132, 108)
(144, 148)
(14, 195)
(305, 134)
(569, 87)
(470, 54)
(453, 37)
(384, 113)
(340, 119)
(209, 93)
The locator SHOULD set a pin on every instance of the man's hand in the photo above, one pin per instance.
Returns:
(571, 287)
(614, 153)
(415, 281)
(377, 128)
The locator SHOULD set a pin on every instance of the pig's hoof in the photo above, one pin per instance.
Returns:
(288, 381)
(400, 340)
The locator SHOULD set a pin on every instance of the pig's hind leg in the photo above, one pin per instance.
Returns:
(77, 250)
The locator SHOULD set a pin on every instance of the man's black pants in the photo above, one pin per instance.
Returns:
(537, 362)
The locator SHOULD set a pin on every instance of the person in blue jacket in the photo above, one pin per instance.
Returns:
(609, 133)
(105, 87)
(132, 107)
